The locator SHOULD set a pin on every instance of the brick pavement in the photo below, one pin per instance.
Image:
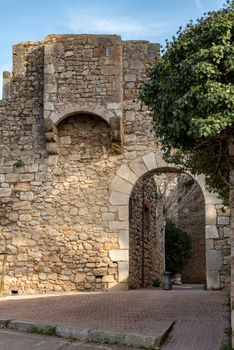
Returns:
(200, 316)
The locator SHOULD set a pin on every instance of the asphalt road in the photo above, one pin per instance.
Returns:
(15, 340)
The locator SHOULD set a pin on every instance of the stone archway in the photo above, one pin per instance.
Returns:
(120, 190)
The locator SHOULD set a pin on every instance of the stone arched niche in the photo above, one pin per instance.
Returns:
(54, 119)
(83, 137)
(120, 191)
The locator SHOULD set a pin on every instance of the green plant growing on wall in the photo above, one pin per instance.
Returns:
(178, 248)
(190, 93)
(19, 163)
(159, 195)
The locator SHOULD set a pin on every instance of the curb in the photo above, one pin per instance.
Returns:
(93, 335)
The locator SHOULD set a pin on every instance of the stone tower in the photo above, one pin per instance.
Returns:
(75, 140)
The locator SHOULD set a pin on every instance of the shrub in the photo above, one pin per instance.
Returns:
(178, 248)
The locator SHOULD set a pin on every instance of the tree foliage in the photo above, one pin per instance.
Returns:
(178, 248)
(190, 93)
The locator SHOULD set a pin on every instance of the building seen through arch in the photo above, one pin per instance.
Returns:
(155, 198)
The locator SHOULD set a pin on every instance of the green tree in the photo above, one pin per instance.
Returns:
(190, 93)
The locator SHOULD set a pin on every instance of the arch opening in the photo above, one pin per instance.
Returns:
(159, 195)
(81, 114)
(84, 138)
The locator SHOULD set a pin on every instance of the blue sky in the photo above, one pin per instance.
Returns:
(153, 20)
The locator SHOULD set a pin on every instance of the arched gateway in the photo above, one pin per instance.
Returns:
(120, 191)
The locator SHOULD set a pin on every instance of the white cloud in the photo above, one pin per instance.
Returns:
(127, 27)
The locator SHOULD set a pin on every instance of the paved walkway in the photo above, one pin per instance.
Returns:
(200, 316)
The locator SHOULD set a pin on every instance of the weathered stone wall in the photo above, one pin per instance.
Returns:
(231, 174)
(206, 224)
(191, 217)
(74, 140)
(56, 225)
(146, 235)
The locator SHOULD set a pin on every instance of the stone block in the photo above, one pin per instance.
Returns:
(150, 161)
(49, 106)
(12, 177)
(213, 280)
(26, 177)
(214, 261)
(130, 116)
(223, 220)
(108, 279)
(123, 267)
(212, 232)
(130, 77)
(83, 236)
(65, 140)
(55, 117)
(43, 176)
(22, 242)
(49, 68)
(80, 277)
(114, 105)
(25, 217)
(123, 212)
(100, 271)
(13, 216)
(108, 216)
(26, 196)
(120, 185)
(32, 168)
(53, 160)
(22, 186)
(227, 232)
(211, 215)
(127, 174)
(5, 192)
(131, 138)
(42, 276)
(72, 332)
(138, 167)
(124, 239)
(209, 244)
(21, 205)
(117, 198)
(137, 64)
(119, 255)
(118, 225)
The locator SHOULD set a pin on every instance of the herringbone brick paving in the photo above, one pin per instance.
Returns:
(200, 316)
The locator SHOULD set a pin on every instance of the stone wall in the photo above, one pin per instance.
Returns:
(146, 235)
(184, 204)
(191, 217)
(74, 140)
(231, 174)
